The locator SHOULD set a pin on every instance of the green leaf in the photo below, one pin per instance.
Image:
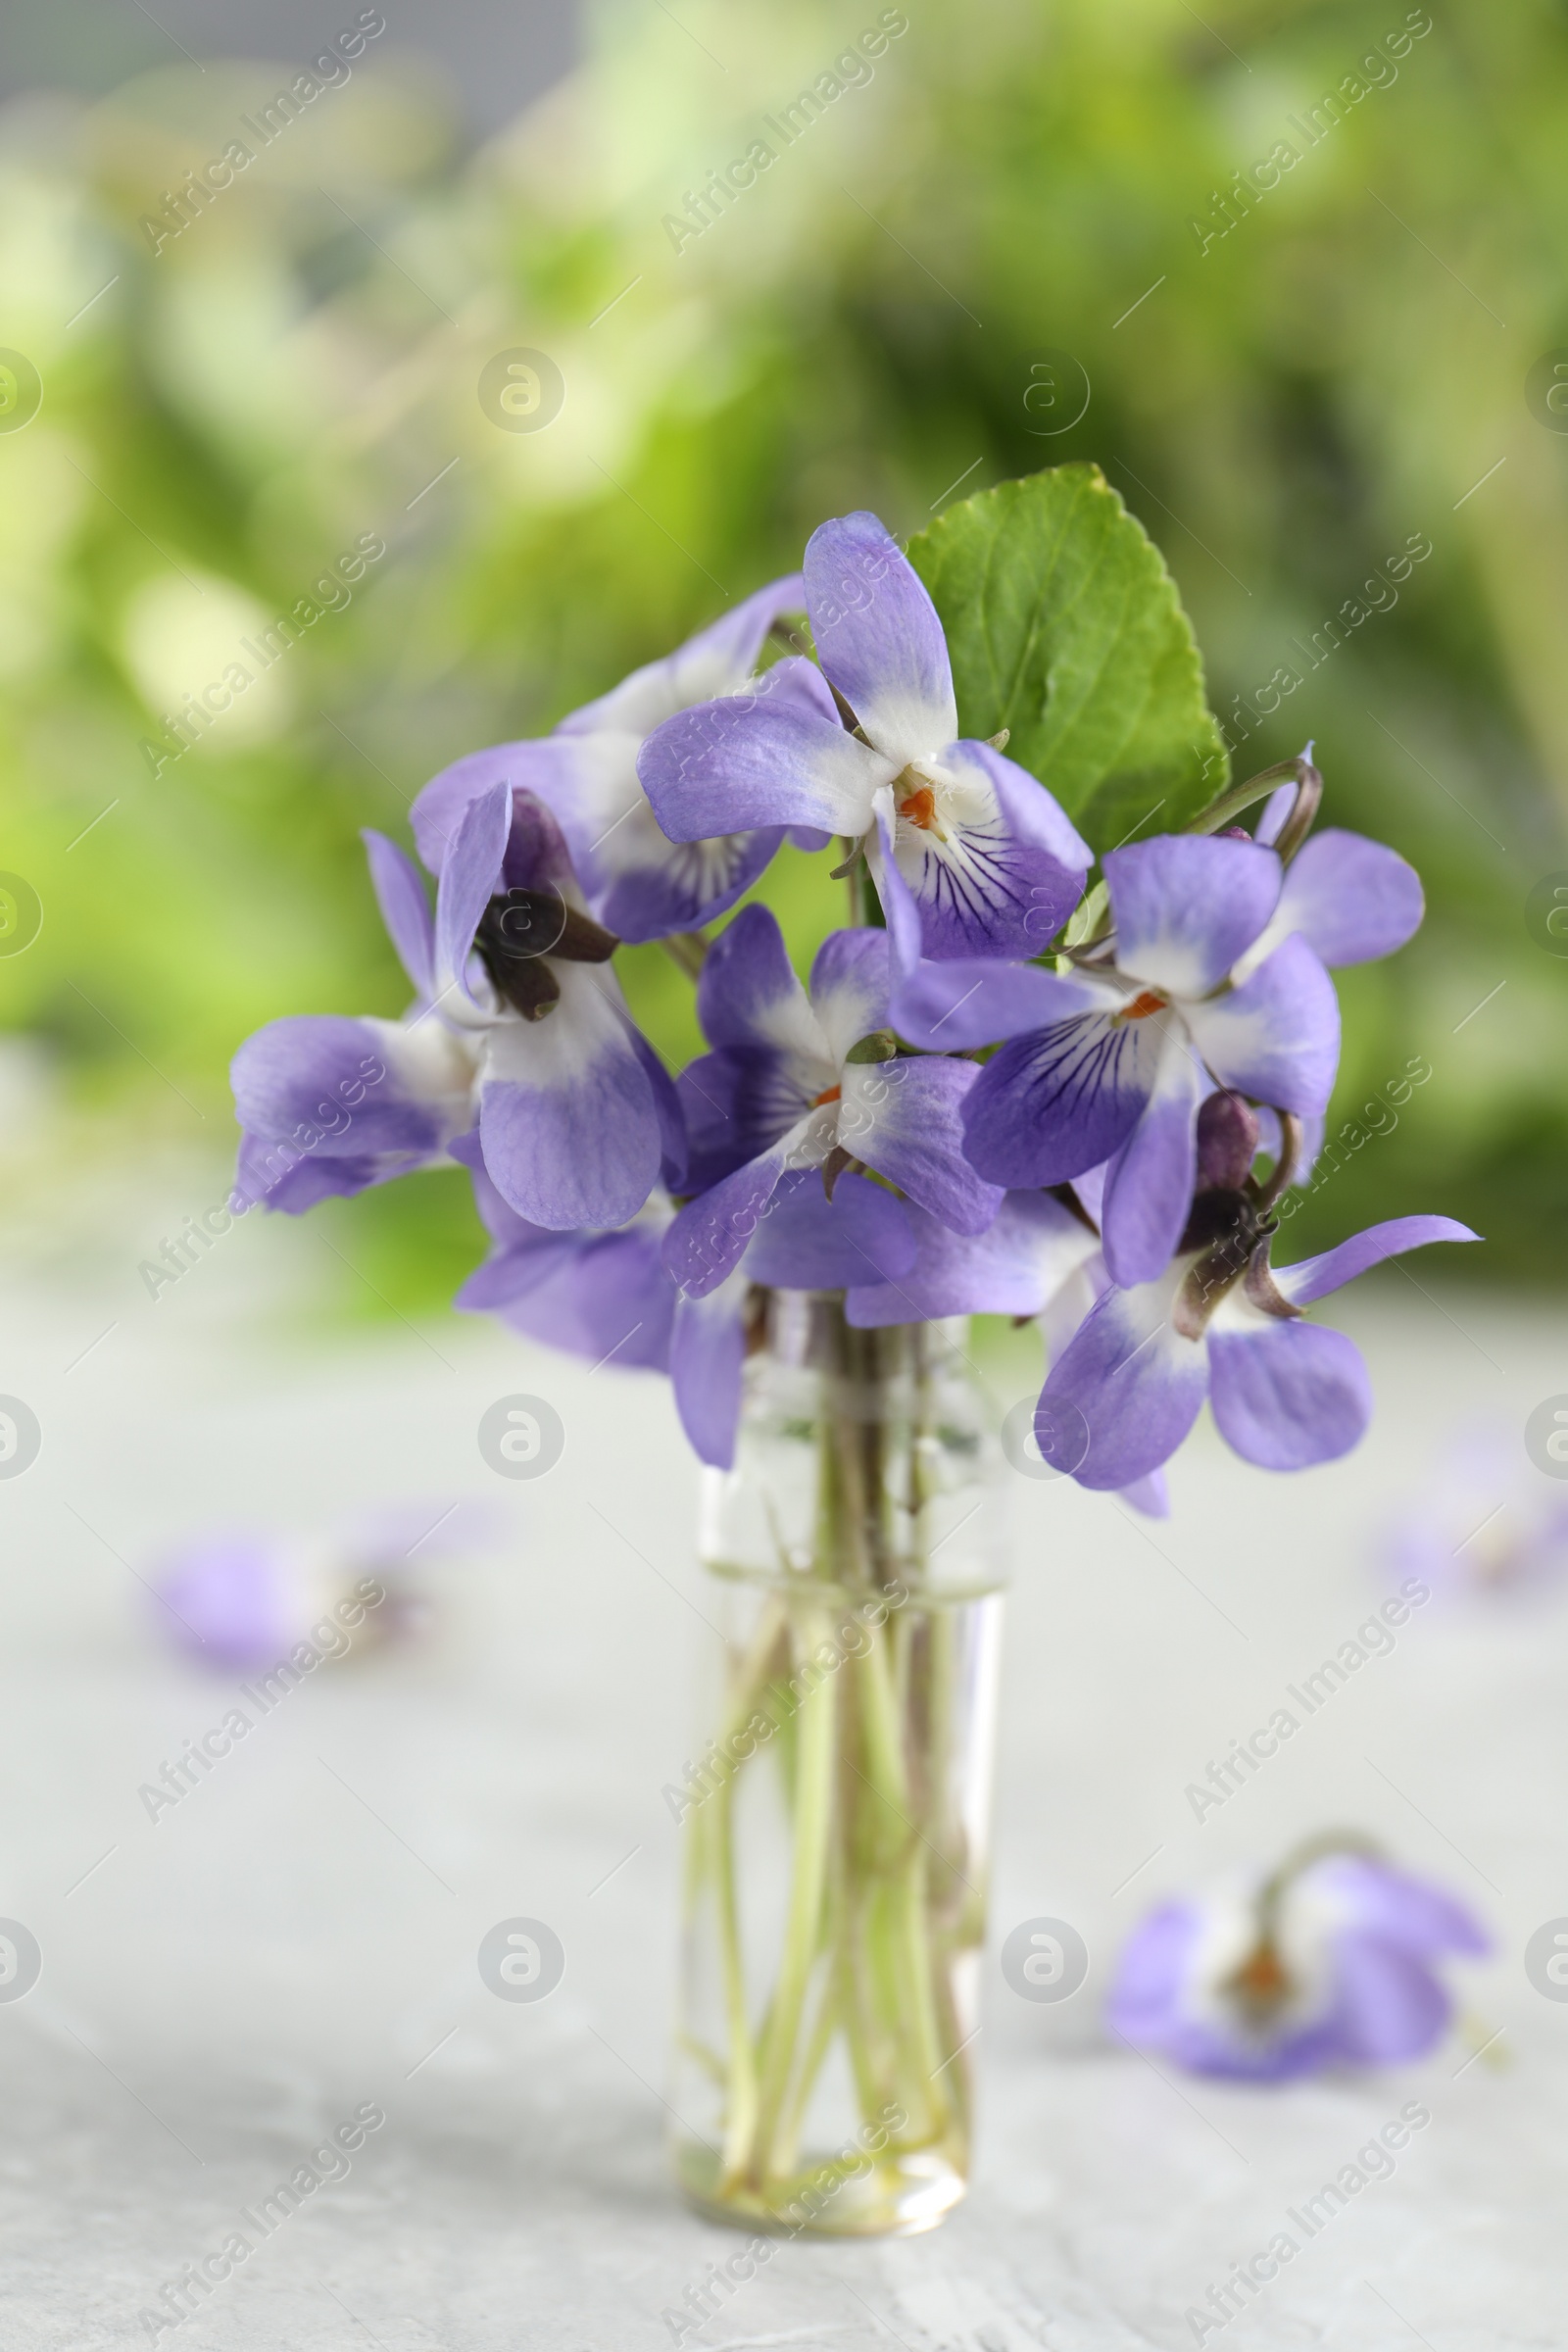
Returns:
(1066, 628)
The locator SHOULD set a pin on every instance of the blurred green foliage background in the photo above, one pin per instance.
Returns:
(1284, 407)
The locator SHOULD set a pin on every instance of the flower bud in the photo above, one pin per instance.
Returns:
(1227, 1139)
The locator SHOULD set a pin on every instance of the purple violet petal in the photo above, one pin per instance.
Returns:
(1150, 1496)
(984, 866)
(1312, 1278)
(337, 1088)
(1410, 1913)
(808, 1243)
(878, 637)
(552, 767)
(469, 879)
(1035, 819)
(948, 1008)
(1015, 1267)
(1149, 1184)
(608, 1299)
(400, 893)
(536, 857)
(706, 1355)
(849, 987)
(904, 1118)
(899, 910)
(737, 1103)
(567, 1119)
(1187, 906)
(1388, 2008)
(748, 993)
(759, 760)
(1136, 1382)
(235, 1599)
(1276, 808)
(1052, 1105)
(1277, 1036)
(711, 1235)
(673, 1150)
(509, 1275)
(1287, 1396)
(500, 1219)
(1152, 1970)
(665, 886)
(1350, 898)
(709, 663)
(273, 1175)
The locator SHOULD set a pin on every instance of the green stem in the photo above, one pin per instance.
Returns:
(687, 949)
(1296, 770)
(879, 1909)
(819, 2040)
(813, 1792)
(741, 2088)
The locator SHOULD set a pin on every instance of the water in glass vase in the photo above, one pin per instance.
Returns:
(837, 1818)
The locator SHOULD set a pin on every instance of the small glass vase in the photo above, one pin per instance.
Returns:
(837, 1818)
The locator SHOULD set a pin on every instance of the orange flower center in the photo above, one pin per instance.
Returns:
(920, 808)
(1142, 1006)
(1262, 1974)
(1262, 1984)
(830, 1094)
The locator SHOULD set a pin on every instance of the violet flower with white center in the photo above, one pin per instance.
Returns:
(1112, 1064)
(1222, 1323)
(1331, 1961)
(519, 1024)
(993, 864)
(1215, 971)
(800, 1082)
(637, 881)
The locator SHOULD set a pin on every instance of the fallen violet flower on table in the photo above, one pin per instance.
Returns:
(241, 1599)
(1329, 1961)
(1483, 1521)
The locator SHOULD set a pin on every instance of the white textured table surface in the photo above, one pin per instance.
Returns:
(299, 1934)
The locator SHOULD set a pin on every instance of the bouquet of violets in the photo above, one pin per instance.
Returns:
(1056, 1064)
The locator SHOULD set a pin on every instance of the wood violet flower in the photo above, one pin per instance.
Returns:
(800, 1082)
(1220, 1323)
(519, 1024)
(1215, 970)
(1331, 1961)
(993, 864)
